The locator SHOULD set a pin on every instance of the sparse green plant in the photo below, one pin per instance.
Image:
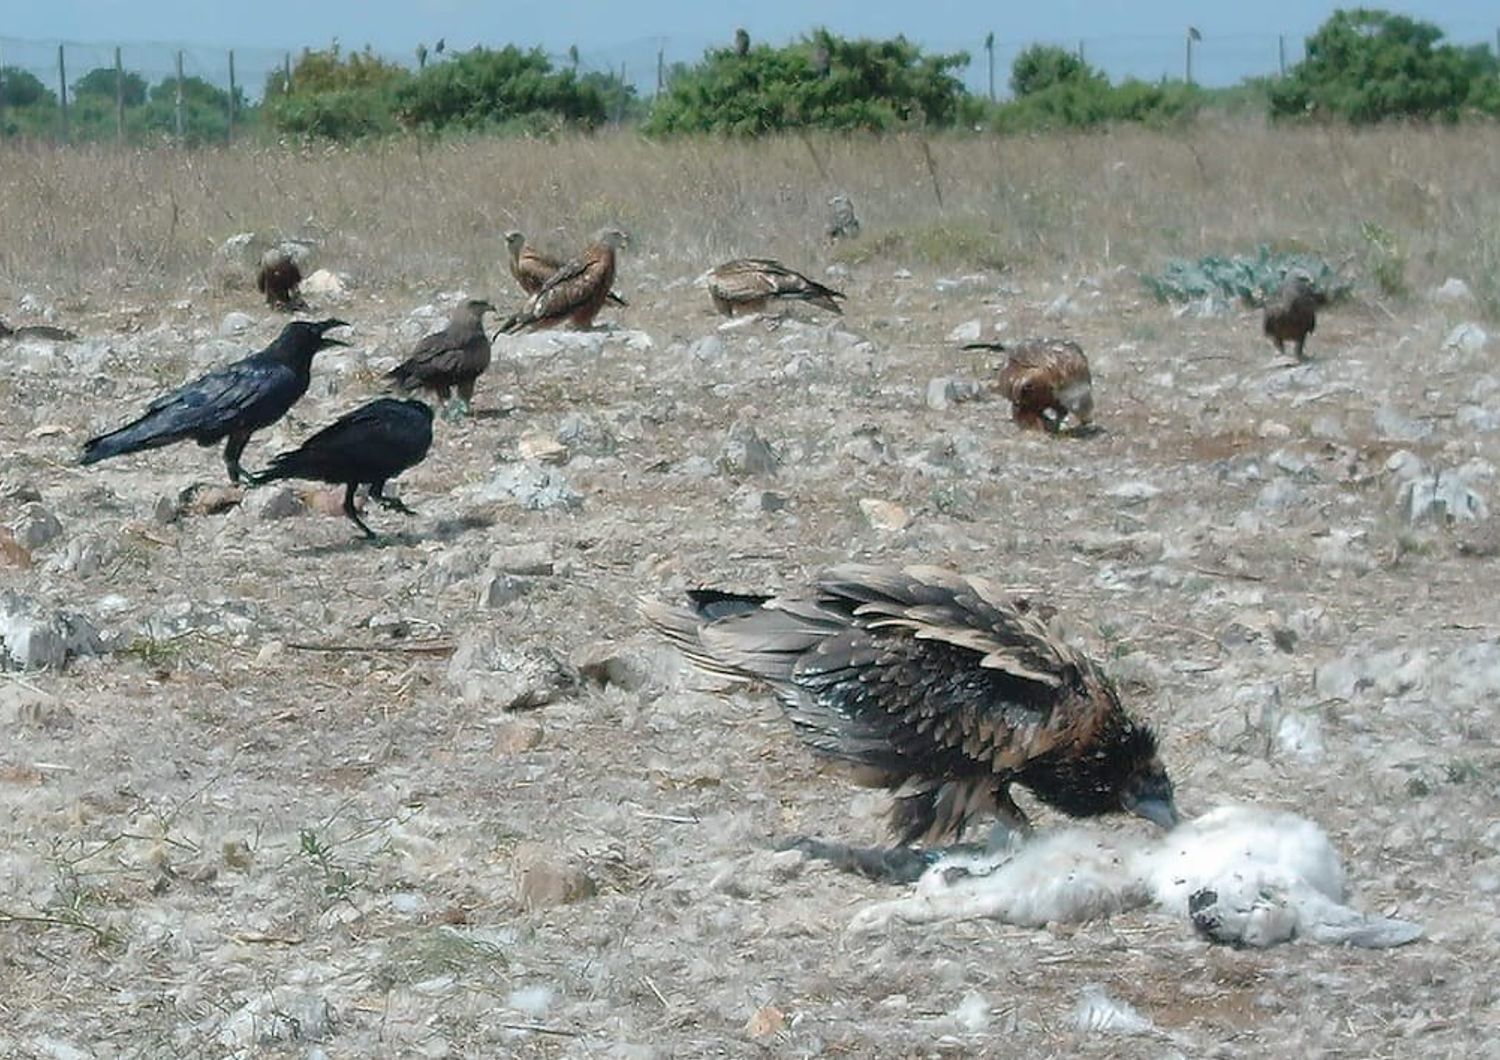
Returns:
(337, 881)
(1385, 260)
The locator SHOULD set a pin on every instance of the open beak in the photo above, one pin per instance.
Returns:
(328, 341)
(1160, 812)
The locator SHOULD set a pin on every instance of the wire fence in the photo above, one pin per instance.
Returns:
(242, 74)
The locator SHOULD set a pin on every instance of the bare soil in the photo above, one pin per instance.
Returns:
(288, 813)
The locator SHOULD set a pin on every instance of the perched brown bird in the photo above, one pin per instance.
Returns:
(1046, 381)
(532, 268)
(451, 359)
(279, 279)
(937, 687)
(1292, 315)
(842, 224)
(576, 291)
(747, 284)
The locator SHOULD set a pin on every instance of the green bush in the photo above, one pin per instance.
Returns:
(485, 88)
(822, 81)
(1042, 66)
(101, 82)
(1367, 65)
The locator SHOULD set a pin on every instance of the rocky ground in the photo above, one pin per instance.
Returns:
(269, 790)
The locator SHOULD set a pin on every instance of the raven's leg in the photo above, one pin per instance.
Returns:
(1300, 343)
(377, 493)
(352, 514)
(232, 450)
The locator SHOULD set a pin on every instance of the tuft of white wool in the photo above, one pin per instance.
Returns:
(1252, 876)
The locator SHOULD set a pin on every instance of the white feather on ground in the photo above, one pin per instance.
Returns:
(1241, 874)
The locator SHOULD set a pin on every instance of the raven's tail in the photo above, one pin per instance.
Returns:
(148, 432)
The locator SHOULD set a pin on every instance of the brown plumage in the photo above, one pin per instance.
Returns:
(938, 687)
(1292, 315)
(451, 359)
(1046, 381)
(279, 279)
(532, 268)
(576, 291)
(745, 285)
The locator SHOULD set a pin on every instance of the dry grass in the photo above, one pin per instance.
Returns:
(86, 219)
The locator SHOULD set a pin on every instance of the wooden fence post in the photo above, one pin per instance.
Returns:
(119, 98)
(229, 134)
(177, 109)
(62, 92)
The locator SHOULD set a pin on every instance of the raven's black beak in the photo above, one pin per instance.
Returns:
(325, 342)
(1160, 812)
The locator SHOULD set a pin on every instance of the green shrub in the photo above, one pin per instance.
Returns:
(485, 88)
(1367, 65)
(823, 81)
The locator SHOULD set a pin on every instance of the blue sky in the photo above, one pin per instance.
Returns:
(1139, 37)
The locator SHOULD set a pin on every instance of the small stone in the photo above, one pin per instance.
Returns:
(744, 452)
(764, 1022)
(544, 449)
(709, 348)
(281, 502)
(1392, 425)
(1133, 491)
(324, 284)
(198, 499)
(1452, 290)
(503, 590)
(237, 854)
(945, 392)
(35, 527)
(486, 668)
(968, 331)
(605, 664)
(884, 515)
(530, 558)
(1467, 338)
(517, 735)
(531, 486)
(321, 501)
(234, 323)
(546, 878)
(586, 435)
(12, 552)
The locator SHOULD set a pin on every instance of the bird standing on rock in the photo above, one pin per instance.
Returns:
(937, 687)
(453, 358)
(229, 404)
(577, 290)
(367, 446)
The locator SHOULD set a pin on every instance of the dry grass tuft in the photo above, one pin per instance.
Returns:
(84, 219)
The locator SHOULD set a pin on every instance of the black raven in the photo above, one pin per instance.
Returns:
(373, 443)
(452, 358)
(233, 402)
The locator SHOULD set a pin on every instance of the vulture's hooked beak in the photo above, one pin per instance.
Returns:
(1160, 811)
